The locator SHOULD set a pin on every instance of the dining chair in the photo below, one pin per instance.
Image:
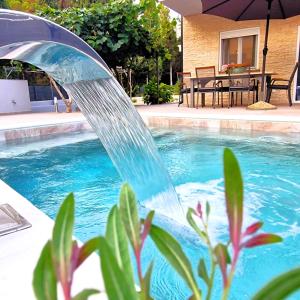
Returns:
(242, 84)
(209, 86)
(282, 84)
(184, 86)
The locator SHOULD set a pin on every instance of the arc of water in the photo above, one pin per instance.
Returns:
(85, 76)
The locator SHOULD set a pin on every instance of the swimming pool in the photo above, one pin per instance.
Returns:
(44, 171)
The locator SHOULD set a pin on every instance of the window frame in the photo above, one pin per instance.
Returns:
(239, 33)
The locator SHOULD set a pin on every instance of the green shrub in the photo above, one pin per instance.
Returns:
(176, 88)
(150, 93)
(163, 95)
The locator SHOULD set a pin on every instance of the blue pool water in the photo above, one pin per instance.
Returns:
(44, 171)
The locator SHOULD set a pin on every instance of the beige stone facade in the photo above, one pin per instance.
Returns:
(201, 44)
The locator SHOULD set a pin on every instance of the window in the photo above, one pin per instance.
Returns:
(239, 47)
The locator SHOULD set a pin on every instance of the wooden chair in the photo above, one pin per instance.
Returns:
(211, 86)
(240, 85)
(282, 84)
(184, 85)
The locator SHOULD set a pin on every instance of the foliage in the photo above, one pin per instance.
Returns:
(34, 5)
(61, 256)
(162, 32)
(156, 20)
(280, 287)
(132, 35)
(176, 88)
(3, 4)
(11, 69)
(26, 5)
(113, 29)
(154, 96)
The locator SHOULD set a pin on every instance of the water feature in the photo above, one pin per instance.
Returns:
(125, 138)
(80, 70)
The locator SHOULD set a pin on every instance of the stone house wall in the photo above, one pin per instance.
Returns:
(201, 43)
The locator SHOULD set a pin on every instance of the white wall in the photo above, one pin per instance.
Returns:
(14, 96)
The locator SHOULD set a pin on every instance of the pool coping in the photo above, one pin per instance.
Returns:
(155, 119)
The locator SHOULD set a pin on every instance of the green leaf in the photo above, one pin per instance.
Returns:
(117, 285)
(190, 219)
(280, 287)
(234, 196)
(85, 294)
(207, 207)
(173, 252)
(202, 271)
(117, 239)
(223, 259)
(146, 284)
(87, 249)
(62, 238)
(129, 215)
(44, 278)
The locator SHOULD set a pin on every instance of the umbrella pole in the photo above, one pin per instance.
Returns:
(265, 51)
(262, 104)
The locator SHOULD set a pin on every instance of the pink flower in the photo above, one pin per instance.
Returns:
(253, 228)
(199, 210)
(224, 68)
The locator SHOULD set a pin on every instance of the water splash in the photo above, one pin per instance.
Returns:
(126, 139)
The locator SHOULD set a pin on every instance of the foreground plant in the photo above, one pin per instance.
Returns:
(220, 254)
(234, 195)
(62, 256)
(124, 224)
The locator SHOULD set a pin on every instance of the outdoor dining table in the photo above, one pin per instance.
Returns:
(203, 81)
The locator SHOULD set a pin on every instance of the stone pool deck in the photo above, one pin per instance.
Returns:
(284, 119)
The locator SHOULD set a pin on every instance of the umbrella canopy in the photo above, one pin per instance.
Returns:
(240, 10)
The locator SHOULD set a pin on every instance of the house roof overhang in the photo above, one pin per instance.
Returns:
(185, 8)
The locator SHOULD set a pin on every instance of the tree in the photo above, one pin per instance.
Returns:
(156, 19)
(3, 4)
(113, 29)
(25, 5)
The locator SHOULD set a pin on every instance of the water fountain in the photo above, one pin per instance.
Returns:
(87, 79)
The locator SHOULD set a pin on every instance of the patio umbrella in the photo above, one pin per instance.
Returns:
(239, 10)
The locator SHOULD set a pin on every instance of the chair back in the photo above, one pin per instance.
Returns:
(209, 71)
(184, 80)
(293, 73)
(234, 69)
